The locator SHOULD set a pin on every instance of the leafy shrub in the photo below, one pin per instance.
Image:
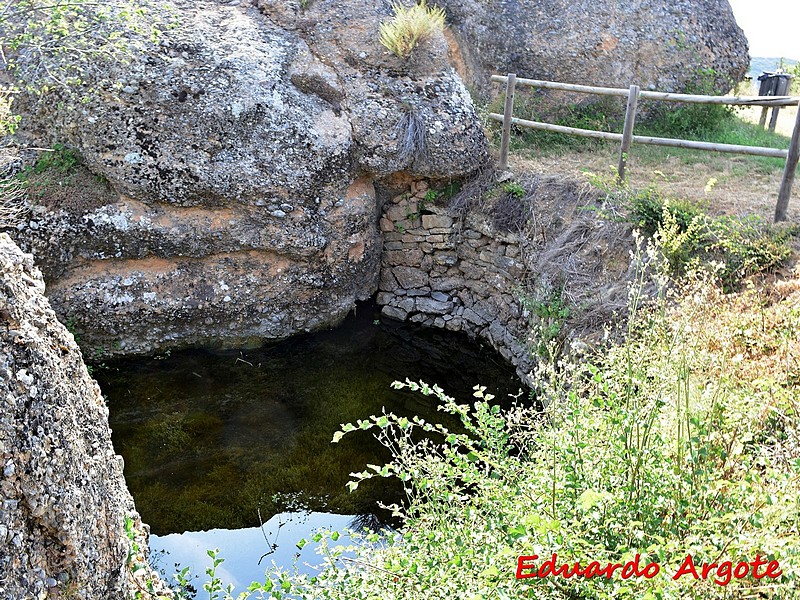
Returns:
(62, 159)
(546, 318)
(409, 27)
(733, 248)
(649, 207)
(514, 189)
(747, 246)
(692, 120)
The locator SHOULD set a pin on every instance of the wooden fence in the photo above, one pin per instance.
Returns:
(626, 138)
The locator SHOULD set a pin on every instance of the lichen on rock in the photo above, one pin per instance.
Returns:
(65, 505)
(243, 151)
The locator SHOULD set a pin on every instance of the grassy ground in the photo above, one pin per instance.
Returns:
(729, 183)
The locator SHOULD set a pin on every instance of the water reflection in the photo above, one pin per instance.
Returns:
(212, 439)
(247, 552)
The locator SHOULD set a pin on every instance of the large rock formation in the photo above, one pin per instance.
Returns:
(67, 522)
(657, 44)
(245, 150)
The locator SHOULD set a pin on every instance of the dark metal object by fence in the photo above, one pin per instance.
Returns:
(773, 84)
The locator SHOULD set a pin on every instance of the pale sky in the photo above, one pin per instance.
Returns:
(772, 26)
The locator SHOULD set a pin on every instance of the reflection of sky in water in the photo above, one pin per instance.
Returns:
(242, 548)
(226, 439)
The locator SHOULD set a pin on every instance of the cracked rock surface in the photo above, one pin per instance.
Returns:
(64, 499)
(242, 154)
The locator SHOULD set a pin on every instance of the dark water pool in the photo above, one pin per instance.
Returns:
(228, 439)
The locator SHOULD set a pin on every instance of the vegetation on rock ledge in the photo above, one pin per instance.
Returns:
(681, 439)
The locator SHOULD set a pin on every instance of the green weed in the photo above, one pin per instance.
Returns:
(734, 248)
(62, 159)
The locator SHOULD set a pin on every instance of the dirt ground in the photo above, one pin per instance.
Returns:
(727, 183)
(786, 118)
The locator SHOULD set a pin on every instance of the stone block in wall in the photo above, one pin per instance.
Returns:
(384, 298)
(388, 282)
(445, 258)
(434, 307)
(410, 277)
(426, 264)
(437, 221)
(479, 243)
(454, 324)
(512, 251)
(471, 234)
(440, 297)
(424, 291)
(443, 246)
(510, 265)
(386, 225)
(394, 312)
(417, 231)
(447, 284)
(473, 317)
(406, 304)
(485, 310)
(403, 257)
(393, 245)
(396, 212)
(466, 297)
(420, 186)
(497, 333)
(480, 288)
(409, 238)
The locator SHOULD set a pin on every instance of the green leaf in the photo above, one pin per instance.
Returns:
(589, 499)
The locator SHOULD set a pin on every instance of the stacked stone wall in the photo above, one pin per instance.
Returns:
(452, 274)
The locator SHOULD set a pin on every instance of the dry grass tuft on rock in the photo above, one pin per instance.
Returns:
(410, 26)
(13, 204)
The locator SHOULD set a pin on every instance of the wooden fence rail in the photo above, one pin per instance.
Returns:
(626, 138)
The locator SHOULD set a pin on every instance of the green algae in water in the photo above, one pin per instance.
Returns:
(226, 439)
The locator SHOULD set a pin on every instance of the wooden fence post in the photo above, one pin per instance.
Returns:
(788, 171)
(627, 131)
(511, 83)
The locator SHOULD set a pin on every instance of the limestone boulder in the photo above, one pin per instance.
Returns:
(241, 153)
(664, 45)
(67, 521)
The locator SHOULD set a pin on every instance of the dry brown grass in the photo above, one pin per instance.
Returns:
(741, 187)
